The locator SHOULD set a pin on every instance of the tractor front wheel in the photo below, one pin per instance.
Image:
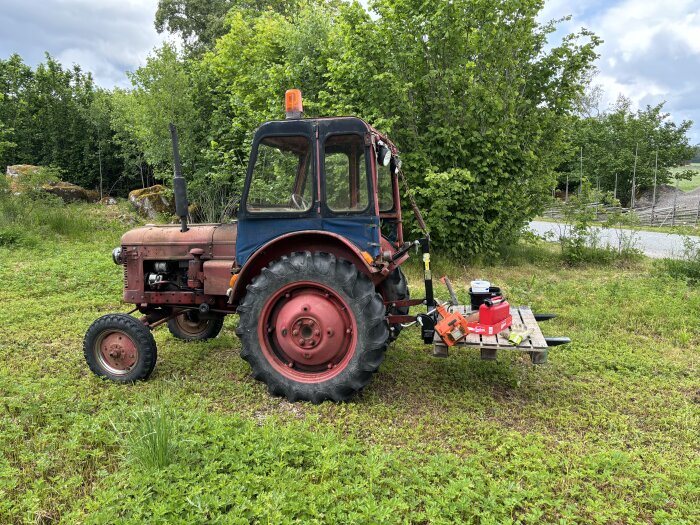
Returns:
(313, 327)
(189, 327)
(121, 348)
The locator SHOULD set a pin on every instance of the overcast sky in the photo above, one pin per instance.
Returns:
(651, 51)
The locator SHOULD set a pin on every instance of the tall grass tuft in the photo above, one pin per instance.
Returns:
(26, 218)
(688, 266)
(152, 440)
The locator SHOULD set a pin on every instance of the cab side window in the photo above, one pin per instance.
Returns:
(346, 174)
(385, 190)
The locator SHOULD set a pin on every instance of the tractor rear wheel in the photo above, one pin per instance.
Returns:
(395, 288)
(121, 348)
(189, 327)
(312, 327)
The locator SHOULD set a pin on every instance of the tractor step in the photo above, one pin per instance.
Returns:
(536, 345)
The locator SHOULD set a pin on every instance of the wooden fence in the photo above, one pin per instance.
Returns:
(681, 215)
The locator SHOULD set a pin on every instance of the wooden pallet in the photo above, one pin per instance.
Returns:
(536, 344)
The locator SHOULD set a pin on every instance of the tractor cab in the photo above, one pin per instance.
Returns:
(328, 175)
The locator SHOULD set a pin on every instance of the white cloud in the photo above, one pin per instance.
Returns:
(651, 50)
(106, 37)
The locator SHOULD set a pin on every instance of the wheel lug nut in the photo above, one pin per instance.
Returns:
(307, 355)
(317, 332)
(302, 342)
(284, 331)
(295, 332)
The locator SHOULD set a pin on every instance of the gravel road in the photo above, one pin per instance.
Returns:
(653, 244)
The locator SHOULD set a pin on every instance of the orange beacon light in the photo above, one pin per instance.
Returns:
(293, 104)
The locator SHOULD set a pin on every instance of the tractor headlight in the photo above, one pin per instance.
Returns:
(117, 255)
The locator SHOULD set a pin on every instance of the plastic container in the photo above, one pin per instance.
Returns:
(478, 297)
(490, 315)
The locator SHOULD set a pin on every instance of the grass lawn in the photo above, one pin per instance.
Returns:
(607, 432)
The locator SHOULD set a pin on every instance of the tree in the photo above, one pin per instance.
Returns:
(470, 91)
(6, 143)
(611, 140)
(51, 111)
(472, 96)
(162, 94)
(199, 23)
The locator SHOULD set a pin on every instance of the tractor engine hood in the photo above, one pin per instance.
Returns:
(167, 241)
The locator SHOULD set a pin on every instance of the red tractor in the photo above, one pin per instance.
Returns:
(312, 267)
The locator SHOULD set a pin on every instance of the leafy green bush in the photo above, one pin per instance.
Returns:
(12, 235)
(478, 139)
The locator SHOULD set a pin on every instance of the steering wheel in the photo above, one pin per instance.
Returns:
(299, 202)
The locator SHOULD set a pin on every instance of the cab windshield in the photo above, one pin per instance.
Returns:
(282, 180)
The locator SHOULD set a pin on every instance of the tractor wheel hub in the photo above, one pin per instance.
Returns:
(310, 329)
(118, 351)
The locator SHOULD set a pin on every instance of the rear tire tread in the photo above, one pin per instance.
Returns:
(362, 297)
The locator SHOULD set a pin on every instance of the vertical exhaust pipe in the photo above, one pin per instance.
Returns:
(179, 183)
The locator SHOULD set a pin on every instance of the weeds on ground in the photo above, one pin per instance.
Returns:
(152, 439)
(688, 266)
(580, 239)
(29, 218)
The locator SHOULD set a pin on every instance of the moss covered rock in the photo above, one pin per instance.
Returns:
(149, 202)
(24, 178)
(20, 177)
(70, 192)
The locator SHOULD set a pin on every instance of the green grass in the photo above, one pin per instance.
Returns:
(688, 185)
(607, 432)
(152, 440)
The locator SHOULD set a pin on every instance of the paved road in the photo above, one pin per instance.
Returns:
(653, 244)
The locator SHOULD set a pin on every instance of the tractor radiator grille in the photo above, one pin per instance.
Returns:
(126, 276)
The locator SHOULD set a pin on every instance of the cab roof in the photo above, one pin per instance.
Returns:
(325, 125)
(307, 125)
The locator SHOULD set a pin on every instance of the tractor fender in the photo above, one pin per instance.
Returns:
(306, 240)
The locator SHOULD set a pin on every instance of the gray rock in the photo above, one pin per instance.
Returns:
(149, 202)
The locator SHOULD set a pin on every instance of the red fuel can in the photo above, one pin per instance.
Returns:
(490, 315)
